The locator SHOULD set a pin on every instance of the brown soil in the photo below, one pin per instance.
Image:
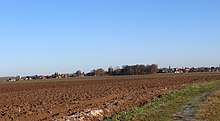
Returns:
(55, 100)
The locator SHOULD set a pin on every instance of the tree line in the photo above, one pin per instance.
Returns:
(125, 70)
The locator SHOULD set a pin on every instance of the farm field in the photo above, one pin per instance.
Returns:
(87, 98)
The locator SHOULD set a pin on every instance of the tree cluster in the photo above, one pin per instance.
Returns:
(97, 72)
(134, 70)
(125, 70)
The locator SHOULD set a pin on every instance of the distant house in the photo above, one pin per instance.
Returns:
(214, 69)
(28, 78)
(42, 77)
(55, 75)
(73, 75)
(65, 75)
(18, 78)
(11, 80)
(178, 71)
(164, 70)
(186, 70)
(218, 69)
(194, 69)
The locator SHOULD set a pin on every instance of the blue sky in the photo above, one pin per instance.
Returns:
(45, 36)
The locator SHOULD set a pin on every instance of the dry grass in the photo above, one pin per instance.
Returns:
(210, 108)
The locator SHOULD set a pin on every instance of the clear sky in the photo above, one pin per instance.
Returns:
(45, 36)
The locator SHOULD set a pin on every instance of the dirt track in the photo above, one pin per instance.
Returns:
(188, 111)
(193, 110)
(79, 99)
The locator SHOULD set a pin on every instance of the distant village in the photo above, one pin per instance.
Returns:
(35, 77)
(125, 70)
(189, 70)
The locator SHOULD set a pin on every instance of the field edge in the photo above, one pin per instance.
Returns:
(164, 107)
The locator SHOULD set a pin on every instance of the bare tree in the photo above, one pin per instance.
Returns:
(100, 72)
(117, 71)
(153, 69)
(78, 73)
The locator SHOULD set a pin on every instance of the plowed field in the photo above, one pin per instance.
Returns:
(87, 99)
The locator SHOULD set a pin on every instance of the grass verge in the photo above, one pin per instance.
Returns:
(163, 107)
(209, 110)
